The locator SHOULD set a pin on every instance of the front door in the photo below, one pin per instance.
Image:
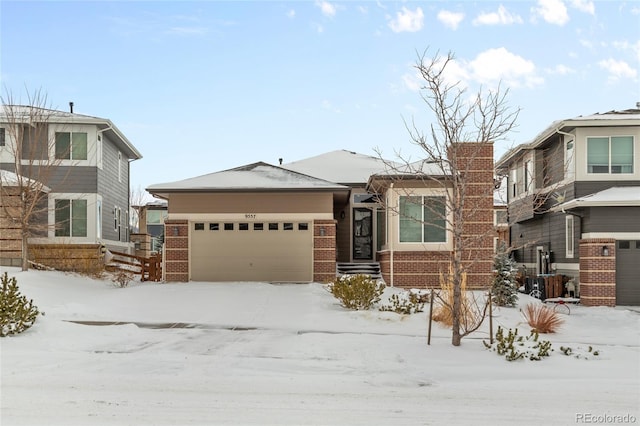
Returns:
(362, 234)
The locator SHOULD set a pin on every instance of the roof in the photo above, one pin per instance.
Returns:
(617, 196)
(252, 177)
(11, 179)
(27, 114)
(341, 166)
(628, 117)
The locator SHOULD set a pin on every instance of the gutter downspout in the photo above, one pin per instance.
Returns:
(391, 241)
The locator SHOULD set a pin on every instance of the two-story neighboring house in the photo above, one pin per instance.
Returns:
(574, 204)
(87, 162)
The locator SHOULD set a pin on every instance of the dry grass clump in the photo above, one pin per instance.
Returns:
(541, 318)
(470, 311)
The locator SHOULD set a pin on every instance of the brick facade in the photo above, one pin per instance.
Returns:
(422, 269)
(176, 251)
(597, 272)
(324, 250)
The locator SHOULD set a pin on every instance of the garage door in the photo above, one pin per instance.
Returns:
(628, 273)
(252, 251)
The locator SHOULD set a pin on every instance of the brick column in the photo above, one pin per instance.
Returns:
(474, 161)
(324, 250)
(176, 250)
(597, 272)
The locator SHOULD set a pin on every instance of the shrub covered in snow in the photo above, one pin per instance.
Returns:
(357, 292)
(504, 289)
(16, 312)
(409, 302)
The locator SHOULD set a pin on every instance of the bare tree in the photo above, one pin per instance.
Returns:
(453, 157)
(29, 163)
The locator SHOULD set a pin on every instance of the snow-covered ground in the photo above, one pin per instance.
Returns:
(262, 354)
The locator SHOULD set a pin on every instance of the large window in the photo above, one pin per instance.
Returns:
(71, 218)
(2, 136)
(71, 146)
(422, 219)
(610, 155)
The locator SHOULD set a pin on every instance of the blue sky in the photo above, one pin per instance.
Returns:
(204, 86)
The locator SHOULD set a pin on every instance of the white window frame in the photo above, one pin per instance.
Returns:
(610, 172)
(569, 232)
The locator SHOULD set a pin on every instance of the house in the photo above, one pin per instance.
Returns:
(308, 220)
(574, 205)
(148, 236)
(84, 163)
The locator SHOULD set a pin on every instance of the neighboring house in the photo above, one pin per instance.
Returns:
(574, 204)
(88, 199)
(149, 235)
(312, 219)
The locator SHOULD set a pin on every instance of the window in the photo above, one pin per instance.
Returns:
(119, 167)
(273, 227)
(569, 232)
(303, 227)
(610, 155)
(501, 217)
(422, 219)
(156, 217)
(569, 161)
(2, 136)
(71, 218)
(99, 219)
(243, 226)
(288, 226)
(528, 174)
(199, 226)
(258, 226)
(228, 226)
(71, 146)
(214, 226)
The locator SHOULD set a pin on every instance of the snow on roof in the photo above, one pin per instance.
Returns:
(9, 179)
(256, 176)
(617, 196)
(628, 117)
(31, 113)
(341, 166)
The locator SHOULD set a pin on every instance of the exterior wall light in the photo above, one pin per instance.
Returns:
(605, 251)
(176, 231)
(322, 231)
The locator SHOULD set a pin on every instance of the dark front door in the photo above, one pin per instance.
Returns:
(362, 234)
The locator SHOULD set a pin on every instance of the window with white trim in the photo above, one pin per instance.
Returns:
(610, 155)
(569, 232)
(423, 219)
(71, 218)
(71, 146)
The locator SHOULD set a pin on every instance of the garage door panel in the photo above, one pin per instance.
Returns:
(252, 255)
(628, 273)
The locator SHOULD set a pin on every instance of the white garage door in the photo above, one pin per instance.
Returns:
(252, 251)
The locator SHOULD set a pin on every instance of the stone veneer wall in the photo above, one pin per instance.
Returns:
(597, 272)
(324, 250)
(176, 250)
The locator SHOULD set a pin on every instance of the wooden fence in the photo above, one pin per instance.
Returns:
(149, 268)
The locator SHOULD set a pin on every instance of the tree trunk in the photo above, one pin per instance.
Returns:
(25, 251)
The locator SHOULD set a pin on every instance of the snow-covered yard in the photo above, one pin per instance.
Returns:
(262, 354)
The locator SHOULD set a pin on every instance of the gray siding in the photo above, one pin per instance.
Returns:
(547, 231)
(587, 187)
(114, 193)
(72, 179)
(611, 219)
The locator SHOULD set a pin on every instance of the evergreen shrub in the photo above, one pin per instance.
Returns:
(357, 292)
(17, 313)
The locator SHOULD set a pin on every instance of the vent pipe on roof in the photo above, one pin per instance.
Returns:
(280, 161)
(71, 107)
(638, 105)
